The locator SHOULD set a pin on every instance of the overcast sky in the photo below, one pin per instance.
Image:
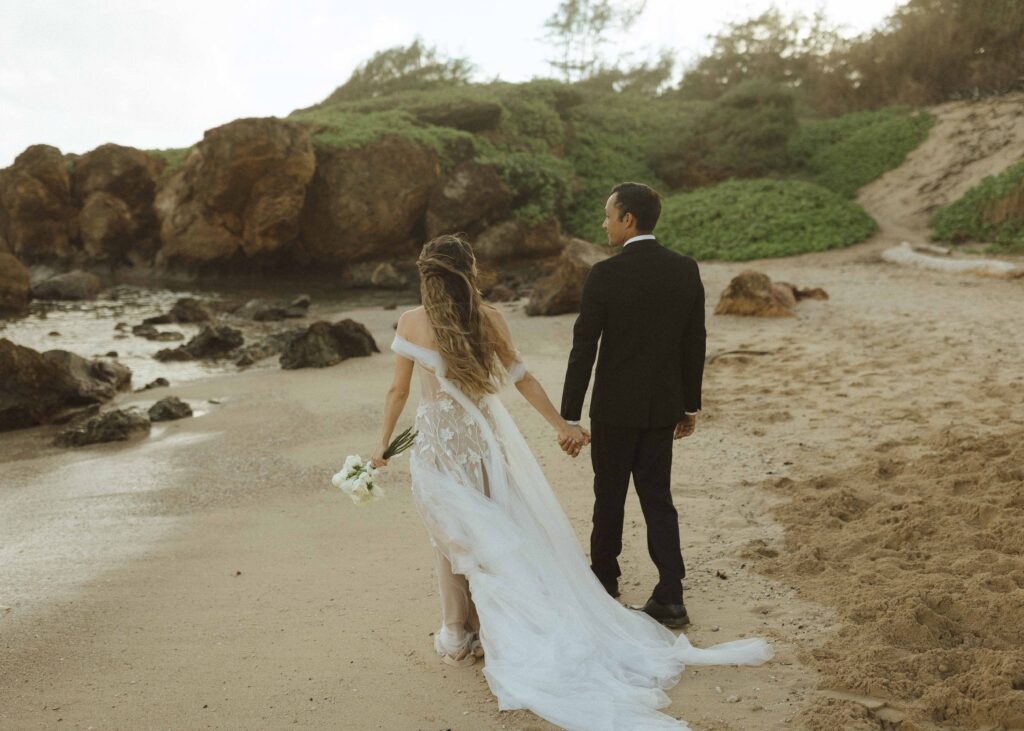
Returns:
(156, 74)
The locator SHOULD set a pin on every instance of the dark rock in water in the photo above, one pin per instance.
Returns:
(14, 285)
(212, 342)
(40, 388)
(113, 426)
(186, 309)
(270, 345)
(76, 285)
(111, 354)
(89, 381)
(121, 326)
(53, 334)
(560, 292)
(302, 302)
(157, 383)
(169, 409)
(324, 344)
(149, 332)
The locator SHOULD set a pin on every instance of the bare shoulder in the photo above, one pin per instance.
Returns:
(411, 320)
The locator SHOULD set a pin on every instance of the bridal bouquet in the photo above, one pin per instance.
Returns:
(357, 478)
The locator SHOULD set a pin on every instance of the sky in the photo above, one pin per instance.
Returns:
(158, 73)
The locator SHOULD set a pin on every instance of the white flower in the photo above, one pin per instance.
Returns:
(446, 433)
(421, 411)
(445, 405)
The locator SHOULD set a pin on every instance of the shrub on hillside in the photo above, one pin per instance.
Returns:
(848, 152)
(752, 219)
(743, 134)
(992, 211)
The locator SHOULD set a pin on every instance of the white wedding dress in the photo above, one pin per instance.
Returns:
(554, 641)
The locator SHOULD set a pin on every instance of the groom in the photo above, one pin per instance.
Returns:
(646, 307)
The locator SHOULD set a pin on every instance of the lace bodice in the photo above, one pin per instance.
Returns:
(449, 434)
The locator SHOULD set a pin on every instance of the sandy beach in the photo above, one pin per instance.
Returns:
(210, 576)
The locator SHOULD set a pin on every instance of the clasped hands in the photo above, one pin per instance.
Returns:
(572, 439)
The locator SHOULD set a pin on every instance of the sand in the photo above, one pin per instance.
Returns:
(853, 496)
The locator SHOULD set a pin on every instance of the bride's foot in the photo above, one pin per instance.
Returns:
(462, 658)
(476, 647)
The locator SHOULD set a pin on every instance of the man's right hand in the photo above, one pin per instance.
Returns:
(685, 427)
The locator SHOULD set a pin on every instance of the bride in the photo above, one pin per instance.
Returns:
(515, 586)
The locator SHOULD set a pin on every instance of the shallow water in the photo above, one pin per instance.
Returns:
(88, 328)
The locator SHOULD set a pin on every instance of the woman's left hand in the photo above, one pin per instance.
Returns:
(377, 460)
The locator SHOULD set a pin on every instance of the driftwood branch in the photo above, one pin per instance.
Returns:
(716, 356)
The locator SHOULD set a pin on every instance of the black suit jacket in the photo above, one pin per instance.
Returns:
(646, 307)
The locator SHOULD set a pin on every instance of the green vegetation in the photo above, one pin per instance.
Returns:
(992, 211)
(561, 147)
(846, 153)
(751, 219)
(173, 157)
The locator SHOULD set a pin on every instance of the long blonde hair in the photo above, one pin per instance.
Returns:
(469, 341)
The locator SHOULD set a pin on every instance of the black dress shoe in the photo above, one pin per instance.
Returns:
(670, 615)
(612, 588)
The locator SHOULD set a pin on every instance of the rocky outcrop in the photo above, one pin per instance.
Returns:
(14, 285)
(366, 202)
(186, 309)
(270, 345)
(38, 388)
(560, 292)
(752, 293)
(113, 426)
(75, 285)
(114, 188)
(149, 332)
(325, 344)
(212, 342)
(514, 240)
(469, 199)
(238, 195)
(169, 409)
(37, 219)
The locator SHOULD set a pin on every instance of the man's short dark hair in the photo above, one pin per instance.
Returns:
(643, 201)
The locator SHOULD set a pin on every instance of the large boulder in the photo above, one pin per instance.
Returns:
(113, 426)
(14, 285)
(514, 240)
(74, 285)
(325, 344)
(37, 217)
(212, 342)
(469, 199)
(561, 291)
(753, 294)
(38, 388)
(114, 188)
(239, 193)
(366, 202)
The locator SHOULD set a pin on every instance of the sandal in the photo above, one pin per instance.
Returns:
(476, 647)
(463, 658)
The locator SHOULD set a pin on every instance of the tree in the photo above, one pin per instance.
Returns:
(580, 29)
(401, 68)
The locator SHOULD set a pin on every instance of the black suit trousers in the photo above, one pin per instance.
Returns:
(646, 454)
